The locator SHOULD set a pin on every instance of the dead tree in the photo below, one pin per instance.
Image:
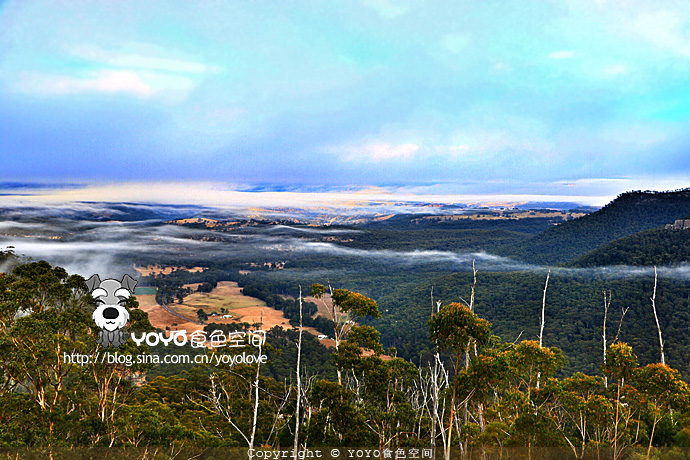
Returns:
(543, 309)
(607, 304)
(434, 377)
(256, 393)
(656, 318)
(342, 321)
(299, 381)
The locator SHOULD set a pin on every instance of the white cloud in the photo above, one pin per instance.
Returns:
(140, 83)
(149, 59)
(143, 73)
(615, 70)
(562, 55)
(389, 9)
(218, 194)
(455, 43)
(104, 82)
(501, 67)
(376, 152)
(665, 30)
(483, 141)
(454, 150)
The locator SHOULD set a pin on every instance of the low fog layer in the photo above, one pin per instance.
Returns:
(83, 241)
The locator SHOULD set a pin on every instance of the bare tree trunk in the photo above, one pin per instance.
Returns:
(474, 284)
(434, 398)
(620, 323)
(658, 328)
(452, 410)
(607, 304)
(256, 395)
(341, 326)
(465, 410)
(541, 329)
(299, 381)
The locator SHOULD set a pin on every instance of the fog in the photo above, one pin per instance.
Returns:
(85, 239)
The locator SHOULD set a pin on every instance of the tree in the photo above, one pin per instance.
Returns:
(580, 401)
(456, 328)
(620, 365)
(344, 307)
(663, 389)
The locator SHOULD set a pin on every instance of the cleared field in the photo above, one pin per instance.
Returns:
(160, 318)
(158, 269)
(226, 295)
(501, 215)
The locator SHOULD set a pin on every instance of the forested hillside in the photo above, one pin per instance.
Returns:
(630, 213)
(574, 314)
(652, 247)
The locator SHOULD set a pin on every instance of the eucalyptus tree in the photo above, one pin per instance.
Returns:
(457, 329)
(344, 308)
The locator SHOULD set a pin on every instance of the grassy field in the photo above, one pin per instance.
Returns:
(226, 295)
(158, 270)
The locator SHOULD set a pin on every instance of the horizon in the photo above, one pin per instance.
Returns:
(228, 196)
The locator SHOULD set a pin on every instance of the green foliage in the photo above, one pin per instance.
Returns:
(620, 361)
(628, 214)
(366, 337)
(356, 303)
(455, 327)
(648, 248)
(574, 314)
(515, 394)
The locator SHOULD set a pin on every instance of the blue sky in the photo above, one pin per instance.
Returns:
(486, 97)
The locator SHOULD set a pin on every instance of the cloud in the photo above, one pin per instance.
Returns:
(149, 61)
(562, 55)
(142, 73)
(103, 82)
(388, 9)
(143, 84)
(455, 43)
(376, 152)
(664, 29)
(615, 70)
(454, 150)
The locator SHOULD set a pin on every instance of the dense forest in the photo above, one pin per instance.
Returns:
(630, 213)
(476, 393)
(663, 247)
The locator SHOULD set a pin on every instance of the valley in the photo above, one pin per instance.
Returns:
(398, 261)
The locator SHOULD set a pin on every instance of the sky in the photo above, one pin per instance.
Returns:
(563, 98)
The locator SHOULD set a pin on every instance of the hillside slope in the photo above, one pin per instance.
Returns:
(630, 213)
(512, 302)
(651, 247)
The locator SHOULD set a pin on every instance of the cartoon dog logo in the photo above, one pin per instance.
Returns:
(110, 314)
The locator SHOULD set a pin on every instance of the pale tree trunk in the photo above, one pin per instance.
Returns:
(434, 391)
(607, 304)
(541, 329)
(620, 323)
(465, 410)
(658, 327)
(256, 394)
(299, 381)
(341, 325)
